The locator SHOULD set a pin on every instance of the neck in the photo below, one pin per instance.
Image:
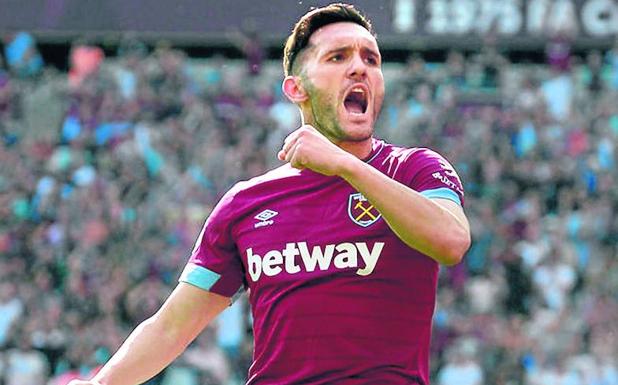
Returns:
(361, 150)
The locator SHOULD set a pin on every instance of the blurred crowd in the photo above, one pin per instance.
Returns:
(108, 171)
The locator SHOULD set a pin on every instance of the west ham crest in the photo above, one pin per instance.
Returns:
(361, 211)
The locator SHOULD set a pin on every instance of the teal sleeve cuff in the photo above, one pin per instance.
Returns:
(199, 276)
(443, 193)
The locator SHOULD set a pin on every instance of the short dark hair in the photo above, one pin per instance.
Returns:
(314, 20)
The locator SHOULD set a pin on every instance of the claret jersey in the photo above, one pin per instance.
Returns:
(336, 297)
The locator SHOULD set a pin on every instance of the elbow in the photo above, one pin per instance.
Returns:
(168, 332)
(456, 248)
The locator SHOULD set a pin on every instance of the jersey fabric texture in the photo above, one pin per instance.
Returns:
(336, 296)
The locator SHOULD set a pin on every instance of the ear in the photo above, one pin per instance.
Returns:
(293, 89)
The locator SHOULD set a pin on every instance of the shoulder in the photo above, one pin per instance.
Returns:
(392, 153)
(427, 155)
(251, 192)
(262, 182)
(416, 153)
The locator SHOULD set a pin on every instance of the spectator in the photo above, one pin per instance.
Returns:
(22, 55)
(461, 367)
(25, 365)
(11, 309)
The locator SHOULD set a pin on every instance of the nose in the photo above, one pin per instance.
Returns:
(358, 68)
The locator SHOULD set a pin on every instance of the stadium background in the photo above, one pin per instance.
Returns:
(122, 123)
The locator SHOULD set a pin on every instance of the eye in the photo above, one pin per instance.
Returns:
(336, 58)
(372, 60)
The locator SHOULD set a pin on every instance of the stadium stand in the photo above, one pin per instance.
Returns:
(108, 170)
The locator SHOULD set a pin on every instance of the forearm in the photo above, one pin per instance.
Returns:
(148, 350)
(156, 342)
(419, 222)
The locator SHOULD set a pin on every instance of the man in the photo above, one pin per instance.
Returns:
(339, 248)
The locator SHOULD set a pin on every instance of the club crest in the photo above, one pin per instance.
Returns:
(361, 211)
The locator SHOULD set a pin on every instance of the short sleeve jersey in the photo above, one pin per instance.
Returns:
(336, 296)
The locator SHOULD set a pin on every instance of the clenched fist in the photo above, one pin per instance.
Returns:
(308, 148)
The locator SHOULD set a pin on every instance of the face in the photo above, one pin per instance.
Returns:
(342, 75)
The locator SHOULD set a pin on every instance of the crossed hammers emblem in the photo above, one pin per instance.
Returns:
(360, 213)
(366, 211)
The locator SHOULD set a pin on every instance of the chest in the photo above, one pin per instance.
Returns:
(332, 230)
(331, 214)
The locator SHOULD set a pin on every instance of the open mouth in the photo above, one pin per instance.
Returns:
(356, 101)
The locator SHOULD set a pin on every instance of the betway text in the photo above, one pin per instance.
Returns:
(342, 256)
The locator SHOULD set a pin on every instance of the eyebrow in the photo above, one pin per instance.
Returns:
(336, 50)
(349, 47)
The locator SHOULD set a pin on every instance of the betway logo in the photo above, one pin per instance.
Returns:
(342, 256)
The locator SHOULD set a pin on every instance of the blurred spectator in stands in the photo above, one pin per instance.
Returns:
(485, 292)
(209, 360)
(612, 59)
(85, 61)
(413, 75)
(11, 308)
(558, 51)
(43, 108)
(167, 78)
(131, 54)
(8, 107)
(22, 56)
(554, 278)
(558, 92)
(247, 39)
(518, 281)
(529, 96)
(49, 333)
(511, 344)
(594, 73)
(554, 370)
(25, 365)
(4, 75)
(492, 64)
(462, 367)
(455, 69)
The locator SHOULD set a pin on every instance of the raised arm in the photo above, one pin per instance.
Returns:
(157, 341)
(436, 227)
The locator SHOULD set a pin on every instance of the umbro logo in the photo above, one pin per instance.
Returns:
(265, 218)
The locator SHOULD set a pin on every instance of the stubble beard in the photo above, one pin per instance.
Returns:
(326, 119)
